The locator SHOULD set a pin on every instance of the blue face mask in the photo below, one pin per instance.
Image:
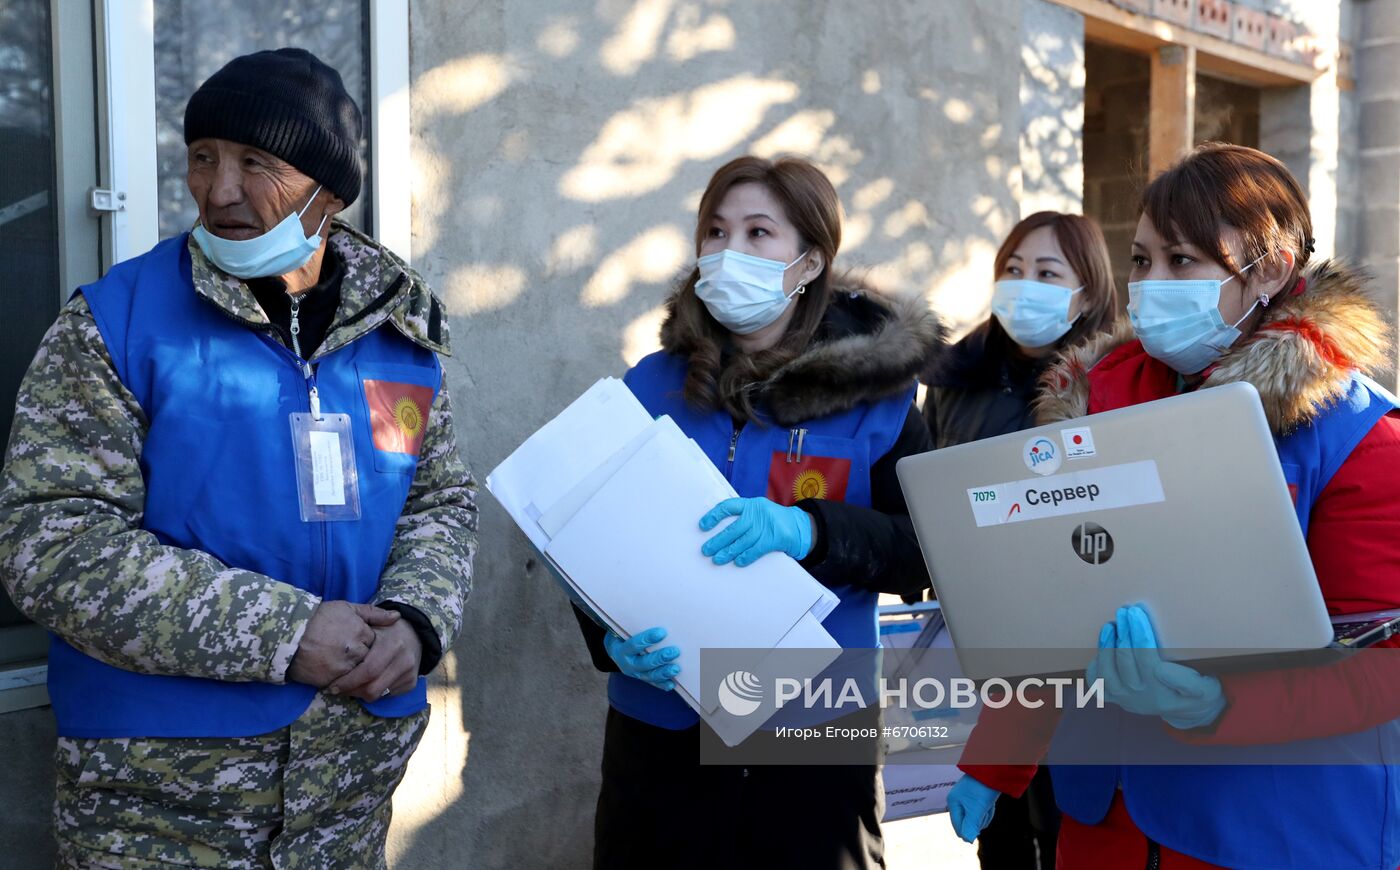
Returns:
(1179, 322)
(278, 251)
(743, 292)
(1033, 313)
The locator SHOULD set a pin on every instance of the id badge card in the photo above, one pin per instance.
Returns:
(328, 483)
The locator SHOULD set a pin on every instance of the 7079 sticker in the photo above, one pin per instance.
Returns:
(1094, 489)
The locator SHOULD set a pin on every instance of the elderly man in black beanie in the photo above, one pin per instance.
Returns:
(233, 495)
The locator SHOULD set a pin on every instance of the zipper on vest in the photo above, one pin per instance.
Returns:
(1154, 855)
(296, 324)
(311, 390)
(733, 447)
(798, 436)
(314, 396)
(306, 370)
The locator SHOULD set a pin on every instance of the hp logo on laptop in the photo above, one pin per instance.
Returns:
(1092, 543)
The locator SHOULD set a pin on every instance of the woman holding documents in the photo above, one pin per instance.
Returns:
(1223, 291)
(800, 390)
(1054, 289)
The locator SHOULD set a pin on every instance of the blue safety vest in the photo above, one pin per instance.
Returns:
(837, 452)
(218, 468)
(1274, 816)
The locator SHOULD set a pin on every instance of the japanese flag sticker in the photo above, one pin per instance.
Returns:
(1079, 443)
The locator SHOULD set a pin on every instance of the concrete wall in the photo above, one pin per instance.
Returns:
(1052, 108)
(1303, 127)
(1344, 143)
(559, 154)
(1351, 192)
(1377, 235)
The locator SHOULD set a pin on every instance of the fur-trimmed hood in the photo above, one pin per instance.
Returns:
(870, 346)
(1300, 358)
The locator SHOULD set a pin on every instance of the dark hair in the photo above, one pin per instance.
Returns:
(810, 203)
(1219, 185)
(1084, 246)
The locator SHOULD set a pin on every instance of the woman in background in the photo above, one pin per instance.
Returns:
(1054, 289)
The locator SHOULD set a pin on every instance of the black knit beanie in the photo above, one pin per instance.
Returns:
(289, 104)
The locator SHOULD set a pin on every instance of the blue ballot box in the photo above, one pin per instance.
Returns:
(916, 775)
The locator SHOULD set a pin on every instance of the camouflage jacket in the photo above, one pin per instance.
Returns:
(73, 554)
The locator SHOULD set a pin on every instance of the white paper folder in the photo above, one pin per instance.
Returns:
(613, 500)
(564, 451)
(650, 570)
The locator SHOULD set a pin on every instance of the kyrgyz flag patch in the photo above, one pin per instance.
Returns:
(813, 477)
(398, 415)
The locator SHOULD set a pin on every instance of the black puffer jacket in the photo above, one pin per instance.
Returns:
(980, 388)
(868, 347)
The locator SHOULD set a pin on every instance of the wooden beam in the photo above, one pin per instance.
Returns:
(1171, 124)
(1105, 22)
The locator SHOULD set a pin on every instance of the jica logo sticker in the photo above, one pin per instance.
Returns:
(1041, 456)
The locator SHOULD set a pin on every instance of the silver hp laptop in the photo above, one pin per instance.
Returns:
(1034, 539)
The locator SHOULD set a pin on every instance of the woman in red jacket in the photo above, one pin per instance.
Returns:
(1222, 291)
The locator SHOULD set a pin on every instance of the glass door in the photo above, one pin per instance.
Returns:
(194, 38)
(28, 192)
(153, 54)
(28, 232)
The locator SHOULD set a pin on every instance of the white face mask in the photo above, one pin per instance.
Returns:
(743, 292)
(1033, 313)
(278, 251)
(1179, 322)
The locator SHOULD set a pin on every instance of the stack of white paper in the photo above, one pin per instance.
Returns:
(613, 499)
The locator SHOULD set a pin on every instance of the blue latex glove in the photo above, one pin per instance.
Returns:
(1137, 679)
(655, 668)
(970, 807)
(761, 527)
